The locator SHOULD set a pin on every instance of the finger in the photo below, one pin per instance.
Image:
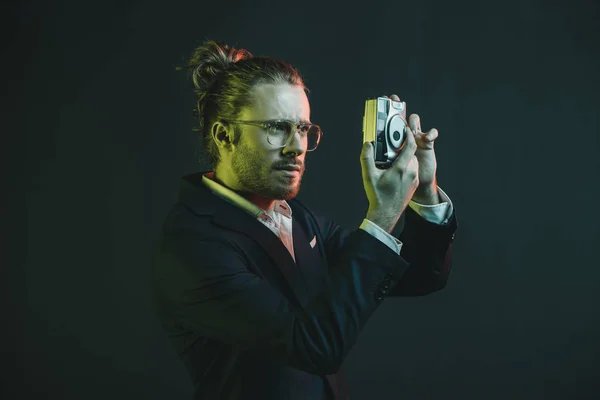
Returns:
(415, 123)
(414, 166)
(409, 149)
(431, 135)
(411, 139)
(393, 97)
(366, 161)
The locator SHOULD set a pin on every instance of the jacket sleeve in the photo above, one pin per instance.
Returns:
(207, 287)
(427, 247)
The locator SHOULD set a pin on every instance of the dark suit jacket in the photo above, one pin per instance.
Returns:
(250, 323)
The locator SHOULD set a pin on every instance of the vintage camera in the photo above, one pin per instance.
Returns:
(384, 124)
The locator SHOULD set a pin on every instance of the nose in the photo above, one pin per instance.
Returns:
(298, 143)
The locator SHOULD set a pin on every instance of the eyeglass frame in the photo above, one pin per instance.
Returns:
(263, 124)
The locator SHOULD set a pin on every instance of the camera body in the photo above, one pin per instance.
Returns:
(384, 124)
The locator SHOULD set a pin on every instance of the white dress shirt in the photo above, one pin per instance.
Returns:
(279, 217)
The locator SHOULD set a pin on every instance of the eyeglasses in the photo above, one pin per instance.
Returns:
(280, 131)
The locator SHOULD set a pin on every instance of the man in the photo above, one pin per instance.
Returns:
(262, 298)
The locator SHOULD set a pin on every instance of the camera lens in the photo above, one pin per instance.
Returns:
(396, 132)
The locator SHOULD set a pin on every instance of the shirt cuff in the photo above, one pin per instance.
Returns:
(387, 239)
(436, 213)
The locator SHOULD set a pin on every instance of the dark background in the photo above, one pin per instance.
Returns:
(97, 132)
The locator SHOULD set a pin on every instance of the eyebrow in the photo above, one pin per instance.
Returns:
(302, 121)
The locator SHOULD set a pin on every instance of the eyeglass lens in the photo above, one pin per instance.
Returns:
(279, 133)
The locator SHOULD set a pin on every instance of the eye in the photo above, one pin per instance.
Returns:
(280, 127)
(304, 128)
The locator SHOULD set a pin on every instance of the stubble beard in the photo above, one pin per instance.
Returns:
(259, 178)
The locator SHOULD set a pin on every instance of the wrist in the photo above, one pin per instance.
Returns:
(427, 195)
(382, 219)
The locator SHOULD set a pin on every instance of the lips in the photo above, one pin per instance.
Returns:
(290, 168)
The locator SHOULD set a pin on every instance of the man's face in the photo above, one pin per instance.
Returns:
(254, 161)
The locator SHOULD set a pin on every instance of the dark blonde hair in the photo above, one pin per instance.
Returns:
(223, 79)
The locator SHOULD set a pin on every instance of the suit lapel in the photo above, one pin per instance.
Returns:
(231, 217)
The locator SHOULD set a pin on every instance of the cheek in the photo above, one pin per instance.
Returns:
(258, 157)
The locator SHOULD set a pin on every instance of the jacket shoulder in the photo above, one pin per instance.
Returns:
(181, 219)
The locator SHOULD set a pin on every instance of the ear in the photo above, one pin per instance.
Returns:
(222, 134)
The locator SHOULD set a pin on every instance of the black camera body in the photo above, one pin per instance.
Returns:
(384, 124)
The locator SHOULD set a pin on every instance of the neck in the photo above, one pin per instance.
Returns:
(259, 201)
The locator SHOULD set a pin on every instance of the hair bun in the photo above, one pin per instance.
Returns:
(211, 60)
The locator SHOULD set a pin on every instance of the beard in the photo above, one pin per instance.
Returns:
(256, 176)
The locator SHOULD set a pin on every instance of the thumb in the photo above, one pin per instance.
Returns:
(366, 161)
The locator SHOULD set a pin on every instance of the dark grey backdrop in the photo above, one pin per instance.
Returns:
(99, 132)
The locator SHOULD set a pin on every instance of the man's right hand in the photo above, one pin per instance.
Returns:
(390, 190)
